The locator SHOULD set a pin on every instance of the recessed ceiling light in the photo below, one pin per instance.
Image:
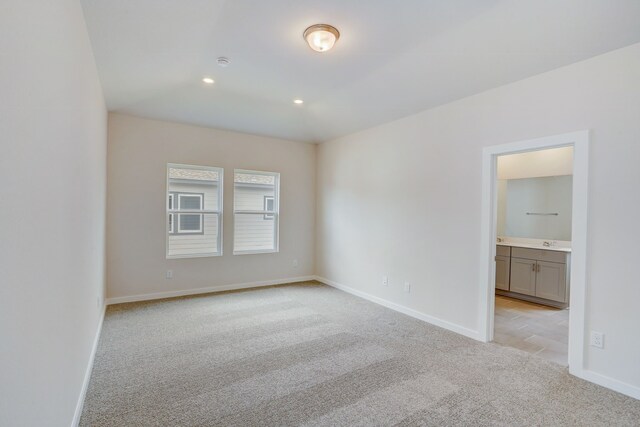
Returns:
(298, 101)
(208, 80)
(321, 37)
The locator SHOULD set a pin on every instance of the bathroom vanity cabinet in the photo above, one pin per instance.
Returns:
(503, 267)
(537, 275)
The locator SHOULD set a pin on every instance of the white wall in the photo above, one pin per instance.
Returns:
(138, 152)
(501, 208)
(551, 162)
(52, 217)
(403, 199)
(547, 194)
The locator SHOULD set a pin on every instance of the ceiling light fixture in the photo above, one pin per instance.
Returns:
(208, 80)
(321, 37)
(298, 101)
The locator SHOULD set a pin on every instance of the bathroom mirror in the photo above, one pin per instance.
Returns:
(537, 208)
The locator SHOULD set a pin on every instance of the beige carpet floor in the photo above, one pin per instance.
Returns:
(307, 354)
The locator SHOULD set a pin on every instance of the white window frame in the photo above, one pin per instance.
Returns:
(174, 212)
(170, 218)
(275, 213)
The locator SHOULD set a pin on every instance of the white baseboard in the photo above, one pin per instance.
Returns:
(405, 310)
(233, 287)
(611, 383)
(87, 374)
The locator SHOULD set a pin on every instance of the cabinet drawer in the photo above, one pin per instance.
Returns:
(503, 250)
(554, 256)
(539, 254)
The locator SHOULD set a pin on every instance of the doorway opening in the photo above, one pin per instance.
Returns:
(533, 252)
(534, 246)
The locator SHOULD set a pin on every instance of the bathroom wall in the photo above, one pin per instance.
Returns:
(521, 200)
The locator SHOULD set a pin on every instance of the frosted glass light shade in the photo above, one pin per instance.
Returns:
(321, 37)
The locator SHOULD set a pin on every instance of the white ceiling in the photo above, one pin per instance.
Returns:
(394, 58)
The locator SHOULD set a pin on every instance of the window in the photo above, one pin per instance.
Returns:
(255, 211)
(190, 223)
(170, 207)
(268, 206)
(194, 211)
(187, 223)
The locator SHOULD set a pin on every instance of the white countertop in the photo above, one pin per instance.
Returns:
(535, 245)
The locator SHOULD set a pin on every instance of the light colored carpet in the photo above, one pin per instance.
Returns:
(307, 354)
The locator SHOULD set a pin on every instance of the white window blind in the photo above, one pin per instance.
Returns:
(256, 202)
(194, 211)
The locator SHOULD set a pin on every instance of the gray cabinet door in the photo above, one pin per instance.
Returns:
(523, 276)
(502, 272)
(551, 281)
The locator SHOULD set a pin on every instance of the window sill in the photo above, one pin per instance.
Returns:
(194, 256)
(267, 251)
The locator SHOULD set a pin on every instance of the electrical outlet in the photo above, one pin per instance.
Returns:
(169, 274)
(597, 339)
(407, 287)
(385, 281)
(295, 263)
